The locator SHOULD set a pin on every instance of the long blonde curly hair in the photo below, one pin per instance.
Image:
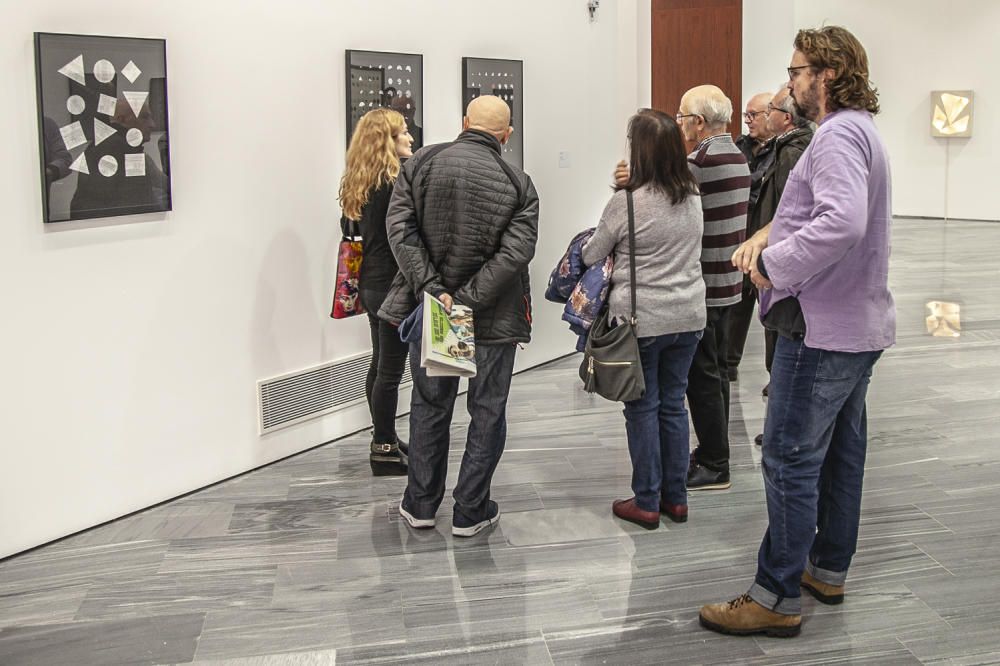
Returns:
(371, 159)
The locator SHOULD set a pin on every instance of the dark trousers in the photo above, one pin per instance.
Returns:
(431, 408)
(739, 326)
(708, 392)
(657, 423)
(385, 370)
(815, 443)
(770, 340)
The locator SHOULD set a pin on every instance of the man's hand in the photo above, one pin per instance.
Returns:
(759, 280)
(447, 300)
(746, 255)
(621, 173)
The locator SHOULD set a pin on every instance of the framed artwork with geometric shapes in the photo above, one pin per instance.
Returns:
(505, 79)
(103, 129)
(951, 113)
(378, 79)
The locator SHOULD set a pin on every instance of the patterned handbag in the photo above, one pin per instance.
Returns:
(346, 298)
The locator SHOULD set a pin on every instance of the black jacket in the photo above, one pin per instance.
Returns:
(787, 151)
(464, 222)
(759, 159)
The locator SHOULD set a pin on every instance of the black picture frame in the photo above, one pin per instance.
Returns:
(505, 79)
(375, 79)
(103, 126)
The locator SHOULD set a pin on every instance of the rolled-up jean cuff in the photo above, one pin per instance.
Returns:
(826, 576)
(770, 601)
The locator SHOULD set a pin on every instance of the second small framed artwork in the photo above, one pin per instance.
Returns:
(505, 79)
(381, 79)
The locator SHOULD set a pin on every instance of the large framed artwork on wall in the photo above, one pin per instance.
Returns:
(505, 79)
(102, 126)
(382, 79)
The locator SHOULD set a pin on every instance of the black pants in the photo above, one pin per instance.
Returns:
(708, 392)
(431, 408)
(739, 326)
(385, 371)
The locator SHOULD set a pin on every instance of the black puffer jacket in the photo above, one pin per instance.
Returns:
(464, 222)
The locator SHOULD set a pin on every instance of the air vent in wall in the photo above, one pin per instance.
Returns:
(299, 396)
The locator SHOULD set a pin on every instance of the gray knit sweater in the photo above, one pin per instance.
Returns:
(670, 291)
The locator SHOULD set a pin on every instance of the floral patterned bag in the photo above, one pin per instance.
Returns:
(346, 298)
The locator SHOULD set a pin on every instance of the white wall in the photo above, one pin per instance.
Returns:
(131, 346)
(914, 46)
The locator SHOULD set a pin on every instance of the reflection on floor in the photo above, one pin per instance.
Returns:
(307, 560)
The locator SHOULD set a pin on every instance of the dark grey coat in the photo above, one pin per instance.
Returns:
(462, 221)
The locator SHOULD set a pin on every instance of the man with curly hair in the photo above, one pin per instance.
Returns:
(822, 265)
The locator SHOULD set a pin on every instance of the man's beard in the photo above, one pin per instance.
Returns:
(808, 106)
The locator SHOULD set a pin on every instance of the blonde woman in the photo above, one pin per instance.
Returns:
(380, 140)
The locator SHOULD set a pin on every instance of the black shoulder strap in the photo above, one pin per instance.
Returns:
(631, 250)
(426, 157)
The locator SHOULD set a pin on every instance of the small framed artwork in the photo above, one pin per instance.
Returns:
(505, 79)
(103, 129)
(381, 79)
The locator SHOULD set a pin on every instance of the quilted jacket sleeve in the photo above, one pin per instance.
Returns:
(403, 230)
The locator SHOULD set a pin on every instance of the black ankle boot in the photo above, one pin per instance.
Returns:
(387, 459)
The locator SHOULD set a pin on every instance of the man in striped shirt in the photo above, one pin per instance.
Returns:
(724, 178)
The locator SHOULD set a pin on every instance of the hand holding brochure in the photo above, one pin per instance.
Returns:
(448, 343)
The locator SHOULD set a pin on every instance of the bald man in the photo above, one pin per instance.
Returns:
(758, 147)
(462, 224)
(724, 179)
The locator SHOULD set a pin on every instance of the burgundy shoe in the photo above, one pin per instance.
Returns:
(675, 512)
(630, 511)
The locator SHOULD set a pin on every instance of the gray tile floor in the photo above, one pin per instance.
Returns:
(306, 561)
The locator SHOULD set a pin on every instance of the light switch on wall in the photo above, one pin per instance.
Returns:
(563, 159)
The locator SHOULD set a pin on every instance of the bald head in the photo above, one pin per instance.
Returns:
(488, 113)
(710, 103)
(759, 101)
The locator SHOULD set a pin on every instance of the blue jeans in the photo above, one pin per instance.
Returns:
(815, 441)
(431, 407)
(657, 423)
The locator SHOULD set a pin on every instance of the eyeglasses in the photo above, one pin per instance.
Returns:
(752, 115)
(793, 72)
(681, 116)
(772, 107)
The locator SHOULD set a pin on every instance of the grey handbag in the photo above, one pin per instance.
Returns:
(611, 365)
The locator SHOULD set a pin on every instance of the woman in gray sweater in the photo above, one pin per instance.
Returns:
(670, 309)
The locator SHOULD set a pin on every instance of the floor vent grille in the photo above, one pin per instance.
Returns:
(307, 394)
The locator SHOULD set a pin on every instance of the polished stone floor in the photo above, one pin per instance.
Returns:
(307, 562)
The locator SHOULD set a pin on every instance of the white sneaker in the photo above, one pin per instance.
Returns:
(412, 521)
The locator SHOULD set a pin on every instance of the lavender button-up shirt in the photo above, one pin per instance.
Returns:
(829, 241)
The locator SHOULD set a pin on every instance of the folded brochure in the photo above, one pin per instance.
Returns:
(448, 341)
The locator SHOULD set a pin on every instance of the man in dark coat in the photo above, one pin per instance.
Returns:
(792, 135)
(463, 224)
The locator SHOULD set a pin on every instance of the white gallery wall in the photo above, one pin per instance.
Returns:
(131, 346)
(914, 47)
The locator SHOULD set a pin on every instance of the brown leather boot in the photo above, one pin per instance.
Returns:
(823, 592)
(630, 511)
(743, 616)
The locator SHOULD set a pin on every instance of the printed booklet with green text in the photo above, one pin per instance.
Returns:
(448, 342)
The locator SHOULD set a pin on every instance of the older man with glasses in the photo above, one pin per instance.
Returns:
(724, 179)
(758, 147)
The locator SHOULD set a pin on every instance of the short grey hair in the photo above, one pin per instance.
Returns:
(711, 103)
(788, 106)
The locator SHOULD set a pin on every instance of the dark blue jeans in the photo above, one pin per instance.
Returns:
(431, 407)
(815, 442)
(657, 423)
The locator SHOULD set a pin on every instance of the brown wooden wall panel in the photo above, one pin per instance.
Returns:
(696, 42)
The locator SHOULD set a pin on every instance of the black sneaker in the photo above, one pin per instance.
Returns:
(703, 478)
(461, 526)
